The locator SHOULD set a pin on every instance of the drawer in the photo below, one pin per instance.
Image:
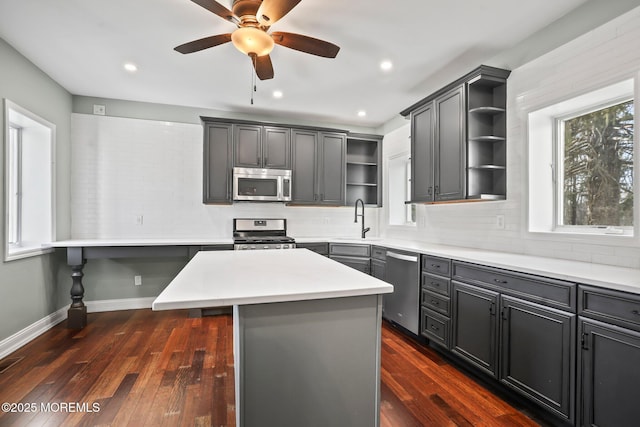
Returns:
(321, 248)
(435, 327)
(436, 284)
(611, 306)
(378, 252)
(551, 292)
(435, 302)
(349, 250)
(360, 264)
(436, 265)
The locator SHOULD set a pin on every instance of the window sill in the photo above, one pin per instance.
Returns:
(586, 238)
(21, 253)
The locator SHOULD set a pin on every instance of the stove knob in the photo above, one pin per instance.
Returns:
(244, 246)
(277, 246)
(265, 247)
(285, 246)
(252, 247)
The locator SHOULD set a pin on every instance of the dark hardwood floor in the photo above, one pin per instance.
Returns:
(144, 368)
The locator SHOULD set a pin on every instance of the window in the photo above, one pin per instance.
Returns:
(29, 183)
(400, 213)
(595, 160)
(581, 164)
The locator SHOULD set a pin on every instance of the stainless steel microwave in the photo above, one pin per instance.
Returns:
(264, 185)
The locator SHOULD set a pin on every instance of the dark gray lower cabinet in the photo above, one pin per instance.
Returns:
(609, 359)
(538, 356)
(378, 269)
(521, 330)
(354, 255)
(610, 375)
(361, 264)
(475, 334)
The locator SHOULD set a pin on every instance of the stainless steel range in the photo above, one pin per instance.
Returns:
(254, 233)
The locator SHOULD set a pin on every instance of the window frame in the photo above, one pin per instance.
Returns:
(558, 170)
(540, 213)
(39, 130)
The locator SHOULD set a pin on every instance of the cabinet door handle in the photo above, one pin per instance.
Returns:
(435, 284)
(502, 282)
(636, 312)
(437, 190)
(434, 327)
(436, 266)
(429, 190)
(434, 302)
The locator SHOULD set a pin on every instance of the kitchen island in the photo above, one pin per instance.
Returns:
(306, 334)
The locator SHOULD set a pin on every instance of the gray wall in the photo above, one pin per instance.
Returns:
(28, 288)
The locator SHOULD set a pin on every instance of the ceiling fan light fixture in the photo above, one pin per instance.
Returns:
(251, 40)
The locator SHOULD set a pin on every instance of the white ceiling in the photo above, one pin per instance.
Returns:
(83, 44)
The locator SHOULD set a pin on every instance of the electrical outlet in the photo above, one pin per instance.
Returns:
(500, 222)
(99, 110)
(137, 280)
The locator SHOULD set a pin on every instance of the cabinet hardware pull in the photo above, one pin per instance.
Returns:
(434, 327)
(504, 282)
(434, 302)
(429, 190)
(436, 284)
(437, 190)
(636, 312)
(435, 266)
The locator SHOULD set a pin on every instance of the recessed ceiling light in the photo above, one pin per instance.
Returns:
(386, 65)
(362, 113)
(130, 67)
(277, 94)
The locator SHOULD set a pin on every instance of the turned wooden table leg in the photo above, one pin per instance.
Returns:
(77, 313)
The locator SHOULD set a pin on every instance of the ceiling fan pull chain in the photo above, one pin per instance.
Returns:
(253, 83)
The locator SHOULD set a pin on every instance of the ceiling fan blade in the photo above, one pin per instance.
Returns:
(218, 9)
(263, 66)
(306, 44)
(203, 43)
(272, 10)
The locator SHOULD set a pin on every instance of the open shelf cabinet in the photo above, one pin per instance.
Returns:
(364, 169)
(486, 137)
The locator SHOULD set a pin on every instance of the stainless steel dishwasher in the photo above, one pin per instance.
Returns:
(403, 305)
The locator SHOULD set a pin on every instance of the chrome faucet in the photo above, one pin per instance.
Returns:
(364, 230)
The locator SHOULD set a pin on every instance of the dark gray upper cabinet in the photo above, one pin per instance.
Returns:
(332, 169)
(609, 361)
(422, 139)
(446, 165)
(218, 158)
(318, 167)
(438, 148)
(276, 147)
(258, 146)
(449, 150)
(305, 166)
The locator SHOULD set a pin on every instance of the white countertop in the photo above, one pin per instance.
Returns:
(611, 277)
(607, 276)
(225, 278)
(88, 243)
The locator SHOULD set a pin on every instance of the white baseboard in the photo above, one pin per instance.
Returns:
(20, 338)
(31, 332)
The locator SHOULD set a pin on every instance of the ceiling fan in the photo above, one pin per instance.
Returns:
(253, 19)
